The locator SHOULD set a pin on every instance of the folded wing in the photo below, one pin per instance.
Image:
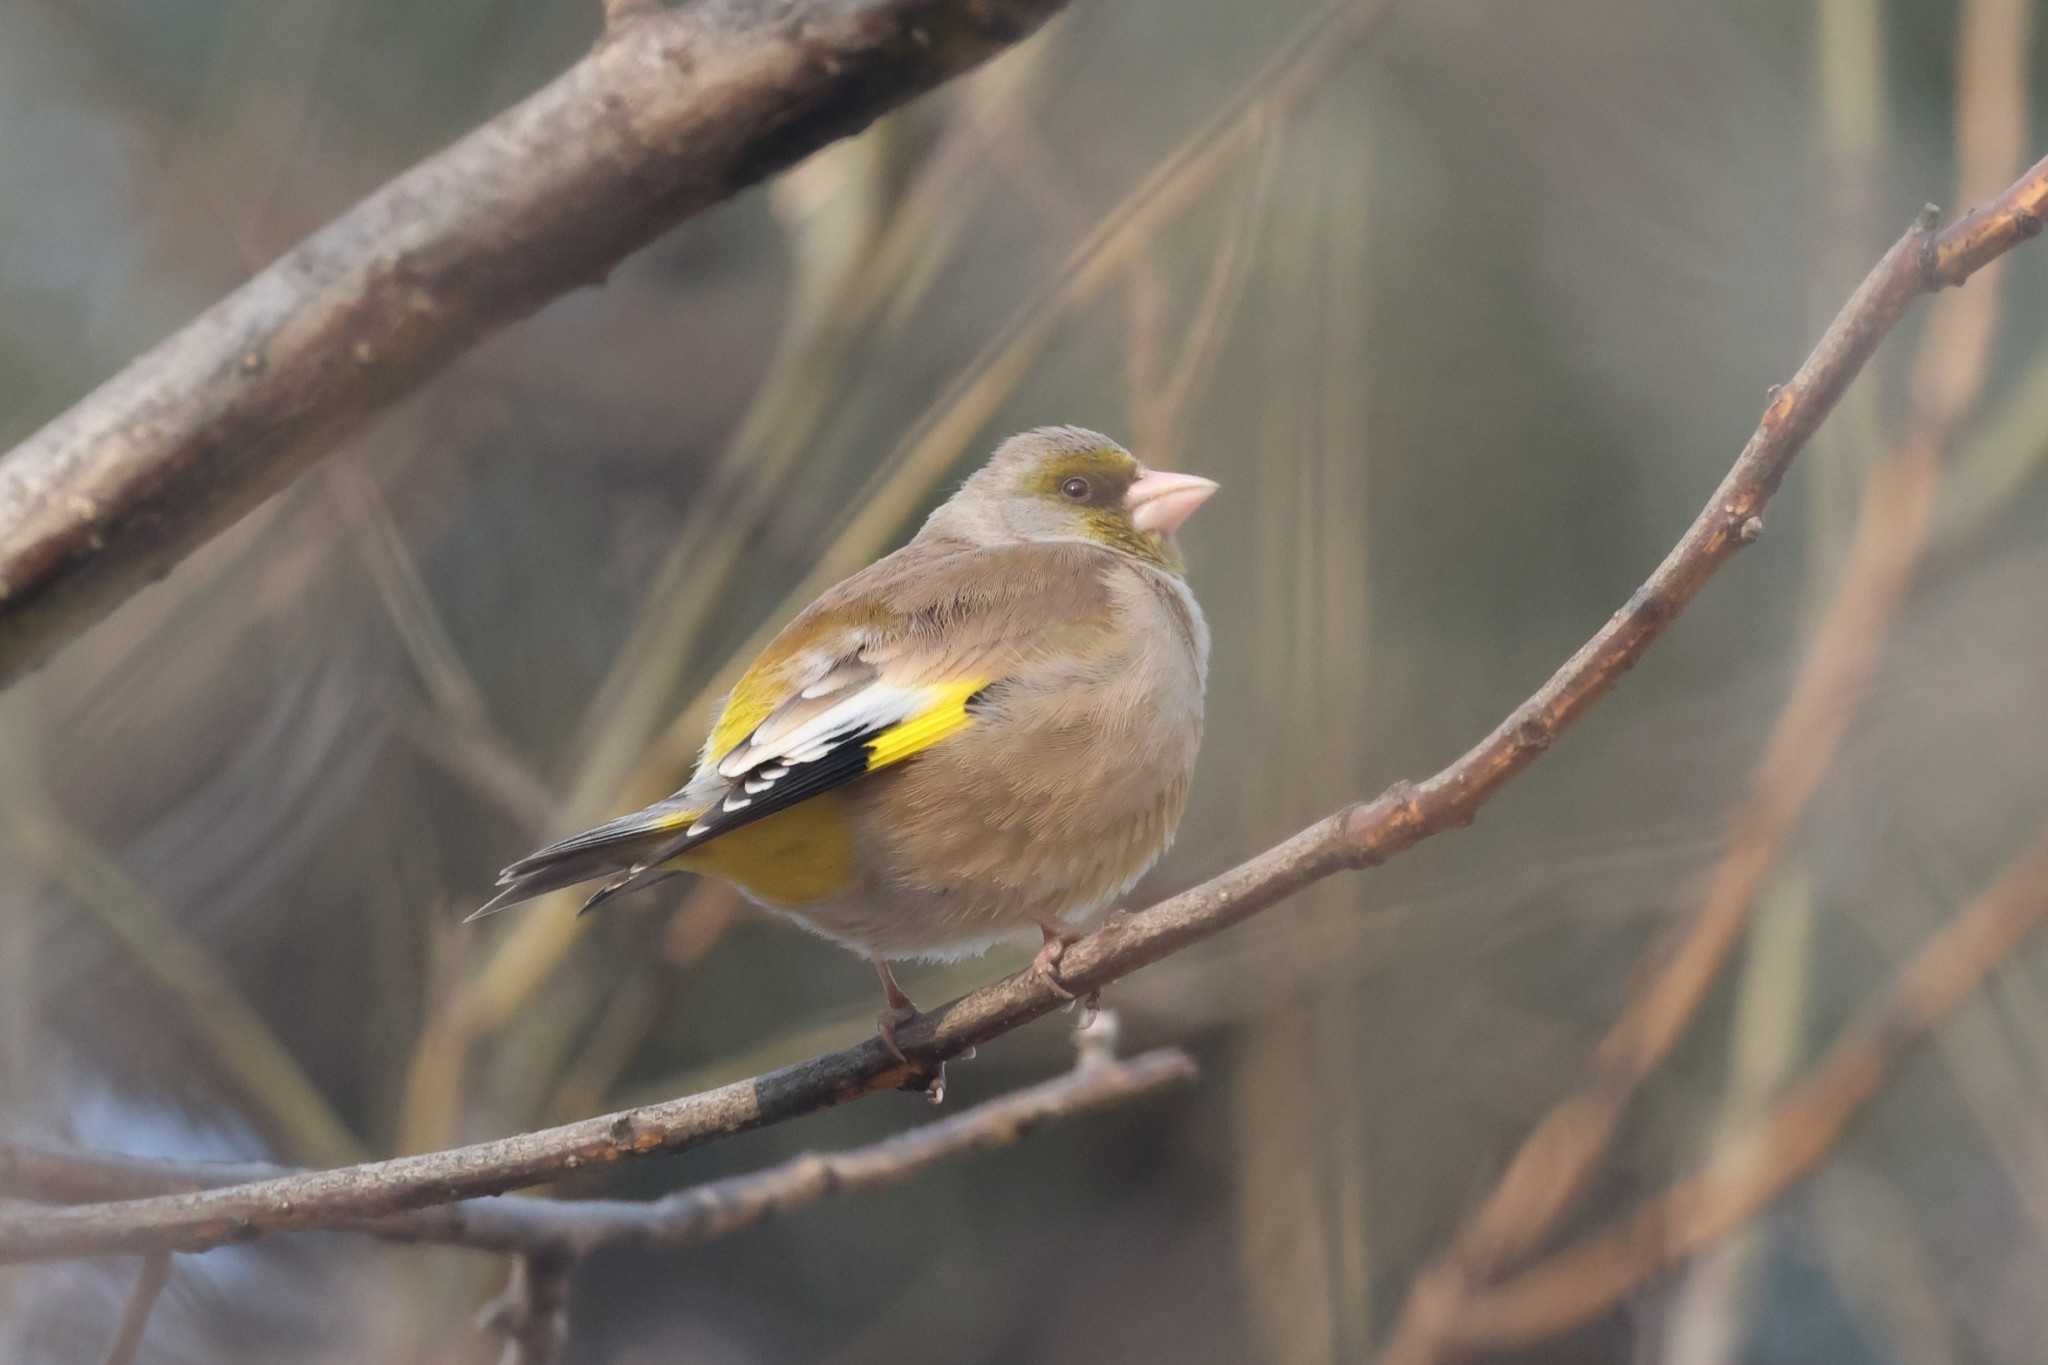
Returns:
(813, 743)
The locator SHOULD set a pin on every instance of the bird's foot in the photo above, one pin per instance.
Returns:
(1046, 965)
(888, 1021)
(898, 1012)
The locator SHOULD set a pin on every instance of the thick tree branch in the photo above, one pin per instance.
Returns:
(672, 112)
(1357, 836)
(576, 1228)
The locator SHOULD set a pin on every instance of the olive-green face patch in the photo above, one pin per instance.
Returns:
(1108, 475)
(1112, 526)
(1104, 475)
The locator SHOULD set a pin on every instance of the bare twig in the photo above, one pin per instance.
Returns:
(673, 112)
(1360, 835)
(687, 1218)
(533, 1312)
(1583, 1280)
(149, 1286)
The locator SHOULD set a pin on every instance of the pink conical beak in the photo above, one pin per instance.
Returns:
(1161, 500)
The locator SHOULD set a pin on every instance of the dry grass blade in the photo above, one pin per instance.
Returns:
(149, 1287)
(1583, 1280)
(248, 1050)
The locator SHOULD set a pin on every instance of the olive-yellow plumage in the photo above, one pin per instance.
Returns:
(988, 733)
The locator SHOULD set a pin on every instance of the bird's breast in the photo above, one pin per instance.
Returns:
(1068, 784)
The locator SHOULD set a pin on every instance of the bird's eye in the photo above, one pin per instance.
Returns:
(1075, 488)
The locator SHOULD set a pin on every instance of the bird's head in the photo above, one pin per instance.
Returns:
(1066, 484)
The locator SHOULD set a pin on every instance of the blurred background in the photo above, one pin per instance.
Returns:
(1468, 304)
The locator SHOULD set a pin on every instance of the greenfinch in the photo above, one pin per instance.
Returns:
(984, 735)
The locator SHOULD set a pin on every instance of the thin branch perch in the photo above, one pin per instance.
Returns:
(1360, 835)
(672, 112)
(576, 1228)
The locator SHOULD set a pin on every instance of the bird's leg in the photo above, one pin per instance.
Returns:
(1046, 965)
(899, 1013)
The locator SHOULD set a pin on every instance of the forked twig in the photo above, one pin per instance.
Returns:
(576, 1228)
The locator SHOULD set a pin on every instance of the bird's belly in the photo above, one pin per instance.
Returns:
(973, 844)
(960, 885)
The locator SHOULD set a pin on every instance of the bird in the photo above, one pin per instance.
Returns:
(987, 735)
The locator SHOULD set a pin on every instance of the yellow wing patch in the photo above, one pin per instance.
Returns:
(765, 684)
(805, 853)
(947, 715)
(752, 700)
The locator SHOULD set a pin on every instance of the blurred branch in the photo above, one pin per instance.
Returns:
(1202, 340)
(574, 1229)
(402, 591)
(673, 112)
(149, 1286)
(459, 735)
(286, 1100)
(1357, 836)
(1850, 127)
(1554, 1164)
(2007, 451)
(1583, 1280)
(1993, 47)
(480, 758)
(533, 1312)
(1157, 390)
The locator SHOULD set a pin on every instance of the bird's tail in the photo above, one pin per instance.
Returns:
(618, 849)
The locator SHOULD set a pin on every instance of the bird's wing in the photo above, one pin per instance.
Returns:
(885, 666)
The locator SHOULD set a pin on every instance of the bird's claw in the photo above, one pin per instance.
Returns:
(1045, 966)
(886, 1024)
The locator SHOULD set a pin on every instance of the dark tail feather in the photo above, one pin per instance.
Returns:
(527, 885)
(632, 879)
(631, 846)
(549, 870)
